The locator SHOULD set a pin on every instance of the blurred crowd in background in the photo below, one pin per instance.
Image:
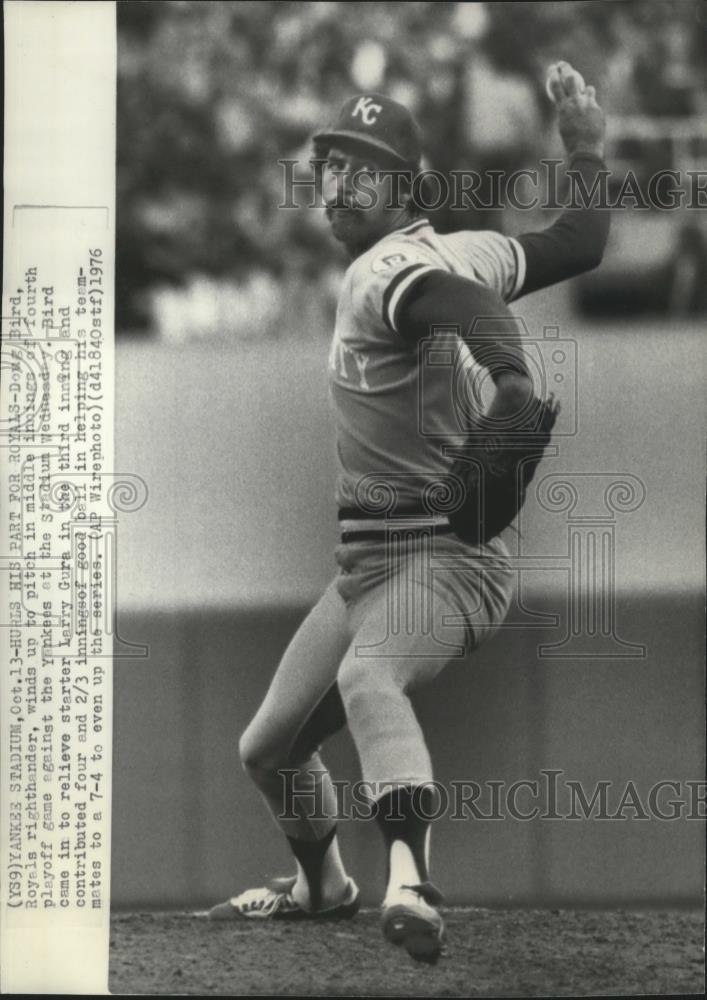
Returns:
(211, 95)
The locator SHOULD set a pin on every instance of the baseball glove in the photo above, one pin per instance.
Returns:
(495, 468)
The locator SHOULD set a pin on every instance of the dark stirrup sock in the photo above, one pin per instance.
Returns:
(400, 816)
(311, 854)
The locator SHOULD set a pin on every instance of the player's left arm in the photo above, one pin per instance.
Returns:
(575, 242)
(438, 299)
(495, 471)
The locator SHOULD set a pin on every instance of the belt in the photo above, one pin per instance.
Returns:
(357, 526)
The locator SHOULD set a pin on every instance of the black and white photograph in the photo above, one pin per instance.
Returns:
(387, 562)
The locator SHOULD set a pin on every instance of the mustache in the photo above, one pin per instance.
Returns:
(346, 205)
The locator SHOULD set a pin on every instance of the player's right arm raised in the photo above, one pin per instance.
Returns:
(575, 242)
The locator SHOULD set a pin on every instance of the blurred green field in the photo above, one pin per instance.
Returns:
(490, 953)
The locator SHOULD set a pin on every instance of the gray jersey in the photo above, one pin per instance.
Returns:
(398, 404)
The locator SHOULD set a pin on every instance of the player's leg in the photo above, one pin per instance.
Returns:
(433, 609)
(407, 630)
(279, 751)
(375, 679)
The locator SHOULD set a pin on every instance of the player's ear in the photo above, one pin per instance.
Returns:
(405, 198)
(406, 193)
(419, 195)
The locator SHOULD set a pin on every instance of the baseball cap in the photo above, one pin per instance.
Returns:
(378, 122)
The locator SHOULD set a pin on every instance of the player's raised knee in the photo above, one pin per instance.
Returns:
(256, 753)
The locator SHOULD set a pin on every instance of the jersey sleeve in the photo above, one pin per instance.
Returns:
(576, 241)
(496, 260)
(383, 279)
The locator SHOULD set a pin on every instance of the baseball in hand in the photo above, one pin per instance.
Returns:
(563, 81)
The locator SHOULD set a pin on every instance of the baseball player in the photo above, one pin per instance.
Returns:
(420, 580)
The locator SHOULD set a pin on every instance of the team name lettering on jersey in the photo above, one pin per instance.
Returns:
(347, 362)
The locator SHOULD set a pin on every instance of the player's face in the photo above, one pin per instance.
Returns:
(361, 198)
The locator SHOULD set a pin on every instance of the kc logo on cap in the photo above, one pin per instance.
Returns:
(367, 110)
(378, 123)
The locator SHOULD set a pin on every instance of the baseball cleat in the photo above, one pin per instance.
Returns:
(275, 902)
(411, 921)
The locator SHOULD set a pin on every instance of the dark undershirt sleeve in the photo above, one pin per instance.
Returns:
(483, 320)
(575, 242)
